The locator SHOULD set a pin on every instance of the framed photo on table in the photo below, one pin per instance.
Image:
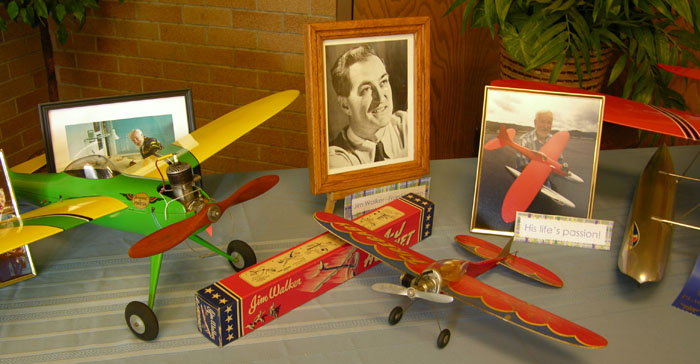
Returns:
(116, 127)
(538, 153)
(367, 89)
(15, 265)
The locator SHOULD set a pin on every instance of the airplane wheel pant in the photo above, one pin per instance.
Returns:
(141, 320)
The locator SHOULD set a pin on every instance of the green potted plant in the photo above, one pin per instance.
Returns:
(640, 33)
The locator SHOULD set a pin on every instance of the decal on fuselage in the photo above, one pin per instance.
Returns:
(141, 200)
(635, 234)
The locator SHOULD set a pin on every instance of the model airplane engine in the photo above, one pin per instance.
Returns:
(182, 180)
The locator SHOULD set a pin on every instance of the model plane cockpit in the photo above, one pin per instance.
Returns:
(92, 167)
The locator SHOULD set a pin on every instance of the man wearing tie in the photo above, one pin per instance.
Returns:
(375, 132)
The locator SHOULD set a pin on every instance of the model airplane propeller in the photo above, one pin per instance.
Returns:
(172, 235)
(91, 189)
(457, 278)
(532, 180)
(647, 239)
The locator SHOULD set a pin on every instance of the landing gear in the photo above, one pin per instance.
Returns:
(141, 320)
(242, 254)
(395, 315)
(443, 339)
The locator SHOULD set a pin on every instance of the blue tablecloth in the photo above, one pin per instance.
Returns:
(73, 311)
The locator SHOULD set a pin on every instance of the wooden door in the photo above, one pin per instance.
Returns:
(461, 65)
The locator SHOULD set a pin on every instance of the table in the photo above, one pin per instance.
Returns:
(73, 311)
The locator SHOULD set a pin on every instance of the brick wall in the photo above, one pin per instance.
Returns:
(22, 87)
(229, 52)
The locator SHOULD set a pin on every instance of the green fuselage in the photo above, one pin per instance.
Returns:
(147, 210)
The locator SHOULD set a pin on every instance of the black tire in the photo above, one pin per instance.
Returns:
(443, 339)
(395, 315)
(241, 252)
(141, 320)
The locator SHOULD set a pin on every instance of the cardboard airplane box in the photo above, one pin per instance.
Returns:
(239, 304)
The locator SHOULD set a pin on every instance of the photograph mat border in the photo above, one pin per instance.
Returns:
(410, 69)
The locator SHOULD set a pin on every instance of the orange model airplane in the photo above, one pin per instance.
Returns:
(441, 281)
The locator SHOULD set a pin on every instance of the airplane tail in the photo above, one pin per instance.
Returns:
(505, 138)
(506, 250)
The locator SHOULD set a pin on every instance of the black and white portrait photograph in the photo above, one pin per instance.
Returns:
(538, 154)
(369, 98)
(368, 102)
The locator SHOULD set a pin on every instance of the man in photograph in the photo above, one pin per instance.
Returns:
(147, 146)
(375, 132)
(536, 139)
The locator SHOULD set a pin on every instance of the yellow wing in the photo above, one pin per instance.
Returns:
(52, 219)
(31, 165)
(216, 135)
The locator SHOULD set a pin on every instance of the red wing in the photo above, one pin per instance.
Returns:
(682, 71)
(402, 258)
(486, 250)
(523, 314)
(524, 189)
(555, 145)
(628, 113)
(528, 184)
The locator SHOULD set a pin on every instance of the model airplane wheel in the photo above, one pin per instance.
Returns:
(395, 315)
(141, 320)
(242, 253)
(443, 338)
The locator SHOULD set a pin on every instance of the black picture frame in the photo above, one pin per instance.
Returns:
(107, 123)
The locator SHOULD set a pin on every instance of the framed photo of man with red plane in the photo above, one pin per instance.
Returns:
(538, 153)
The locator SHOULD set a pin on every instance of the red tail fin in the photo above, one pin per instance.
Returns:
(505, 137)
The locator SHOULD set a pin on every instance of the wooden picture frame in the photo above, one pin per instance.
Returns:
(72, 129)
(402, 47)
(510, 113)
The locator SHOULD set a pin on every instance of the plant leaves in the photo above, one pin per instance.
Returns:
(646, 41)
(502, 7)
(558, 66)
(661, 7)
(12, 10)
(60, 13)
(453, 6)
(491, 17)
(512, 43)
(549, 52)
(61, 34)
(682, 8)
(40, 8)
(617, 68)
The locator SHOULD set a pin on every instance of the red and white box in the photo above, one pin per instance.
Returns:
(239, 304)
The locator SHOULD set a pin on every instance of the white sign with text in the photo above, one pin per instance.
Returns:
(563, 230)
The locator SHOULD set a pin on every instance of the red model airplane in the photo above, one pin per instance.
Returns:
(531, 181)
(647, 239)
(630, 113)
(427, 279)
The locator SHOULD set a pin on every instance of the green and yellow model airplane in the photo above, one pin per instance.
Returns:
(140, 200)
